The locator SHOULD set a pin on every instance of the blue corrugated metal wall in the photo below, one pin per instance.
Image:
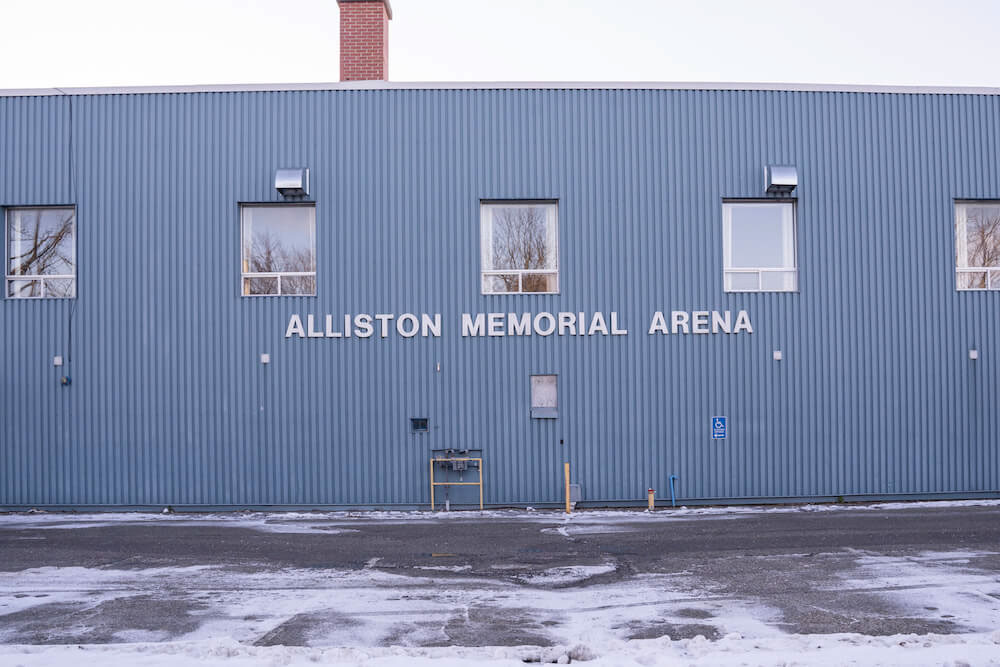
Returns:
(170, 405)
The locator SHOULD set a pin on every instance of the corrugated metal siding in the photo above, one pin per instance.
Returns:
(169, 404)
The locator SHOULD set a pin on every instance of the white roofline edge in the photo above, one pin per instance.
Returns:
(500, 85)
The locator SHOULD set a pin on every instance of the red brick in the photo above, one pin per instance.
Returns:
(364, 41)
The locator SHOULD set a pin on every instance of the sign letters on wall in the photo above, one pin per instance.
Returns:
(474, 325)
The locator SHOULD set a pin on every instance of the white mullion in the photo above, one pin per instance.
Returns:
(18, 251)
(961, 237)
(554, 218)
(789, 261)
(486, 237)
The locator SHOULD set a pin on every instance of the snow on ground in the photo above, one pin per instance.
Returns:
(945, 582)
(308, 522)
(821, 651)
(563, 576)
(376, 618)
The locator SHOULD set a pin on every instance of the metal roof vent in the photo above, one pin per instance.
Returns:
(780, 180)
(292, 182)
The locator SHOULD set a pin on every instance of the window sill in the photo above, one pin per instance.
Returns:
(258, 296)
(544, 413)
(761, 291)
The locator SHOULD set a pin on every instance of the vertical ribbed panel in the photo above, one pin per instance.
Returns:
(170, 405)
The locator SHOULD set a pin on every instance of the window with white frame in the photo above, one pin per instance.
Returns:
(758, 246)
(519, 247)
(977, 245)
(544, 396)
(279, 249)
(41, 252)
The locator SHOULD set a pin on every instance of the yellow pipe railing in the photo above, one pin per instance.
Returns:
(479, 483)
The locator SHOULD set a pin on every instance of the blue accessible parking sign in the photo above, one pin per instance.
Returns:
(718, 428)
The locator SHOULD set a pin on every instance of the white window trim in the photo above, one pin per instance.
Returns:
(486, 243)
(791, 242)
(278, 274)
(9, 277)
(992, 272)
(992, 275)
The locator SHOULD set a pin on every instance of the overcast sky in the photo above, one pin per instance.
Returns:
(61, 43)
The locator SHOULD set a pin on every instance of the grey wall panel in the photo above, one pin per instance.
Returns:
(170, 405)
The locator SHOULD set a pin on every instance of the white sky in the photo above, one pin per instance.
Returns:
(48, 43)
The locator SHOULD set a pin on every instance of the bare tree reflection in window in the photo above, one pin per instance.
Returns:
(278, 241)
(520, 241)
(982, 244)
(268, 254)
(40, 243)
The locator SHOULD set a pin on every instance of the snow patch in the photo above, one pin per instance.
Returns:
(444, 568)
(944, 583)
(559, 576)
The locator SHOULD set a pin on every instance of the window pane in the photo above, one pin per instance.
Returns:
(994, 279)
(22, 289)
(742, 282)
(777, 281)
(260, 285)
(971, 279)
(535, 282)
(298, 284)
(761, 235)
(279, 238)
(521, 238)
(977, 241)
(543, 391)
(500, 284)
(40, 241)
(63, 288)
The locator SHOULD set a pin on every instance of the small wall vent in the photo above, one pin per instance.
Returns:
(780, 180)
(292, 182)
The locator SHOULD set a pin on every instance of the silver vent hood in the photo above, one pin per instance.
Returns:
(292, 182)
(780, 180)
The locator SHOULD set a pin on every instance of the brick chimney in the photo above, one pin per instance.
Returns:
(364, 40)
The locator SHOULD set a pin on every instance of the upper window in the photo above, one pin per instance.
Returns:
(41, 252)
(977, 245)
(758, 246)
(279, 249)
(519, 247)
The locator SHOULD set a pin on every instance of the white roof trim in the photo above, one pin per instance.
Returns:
(500, 85)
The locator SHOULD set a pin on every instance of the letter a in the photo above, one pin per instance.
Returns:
(658, 324)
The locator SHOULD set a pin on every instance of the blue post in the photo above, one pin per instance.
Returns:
(673, 499)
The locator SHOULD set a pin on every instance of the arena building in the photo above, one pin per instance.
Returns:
(303, 295)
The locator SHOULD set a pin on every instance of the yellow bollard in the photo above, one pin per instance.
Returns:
(651, 498)
(566, 471)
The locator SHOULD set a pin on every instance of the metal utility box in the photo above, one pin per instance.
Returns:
(456, 477)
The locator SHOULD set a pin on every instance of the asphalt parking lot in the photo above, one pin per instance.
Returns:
(498, 578)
